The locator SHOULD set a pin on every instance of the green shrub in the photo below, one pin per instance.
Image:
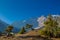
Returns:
(22, 31)
(51, 28)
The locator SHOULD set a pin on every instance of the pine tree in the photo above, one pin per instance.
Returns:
(22, 30)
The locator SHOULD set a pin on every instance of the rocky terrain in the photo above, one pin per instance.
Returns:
(27, 38)
(32, 35)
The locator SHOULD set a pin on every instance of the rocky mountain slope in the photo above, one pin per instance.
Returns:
(3, 25)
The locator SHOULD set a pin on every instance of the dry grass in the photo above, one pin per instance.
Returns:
(26, 38)
(32, 35)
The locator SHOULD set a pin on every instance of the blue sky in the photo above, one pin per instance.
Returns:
(13, 10)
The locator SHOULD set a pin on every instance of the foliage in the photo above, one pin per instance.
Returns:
(9, 29)
(29, 26)
(51, 27)
(22, 30)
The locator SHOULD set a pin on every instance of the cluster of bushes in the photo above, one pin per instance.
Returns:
(7, 32)
(9, 29)
(51, 28)
(26, 28)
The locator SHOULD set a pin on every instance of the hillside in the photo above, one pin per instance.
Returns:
(19, 24)
(31, 35)
(3, 25)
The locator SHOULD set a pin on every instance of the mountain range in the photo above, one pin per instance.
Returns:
(20, 24)
(36, 22)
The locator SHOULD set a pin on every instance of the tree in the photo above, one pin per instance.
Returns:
(28, 26)
(22, 30)
(50, 27)
(9, 30)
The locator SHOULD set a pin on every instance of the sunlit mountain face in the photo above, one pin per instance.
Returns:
(42, 19)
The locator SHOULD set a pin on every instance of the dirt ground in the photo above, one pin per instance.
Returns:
(29, 38)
